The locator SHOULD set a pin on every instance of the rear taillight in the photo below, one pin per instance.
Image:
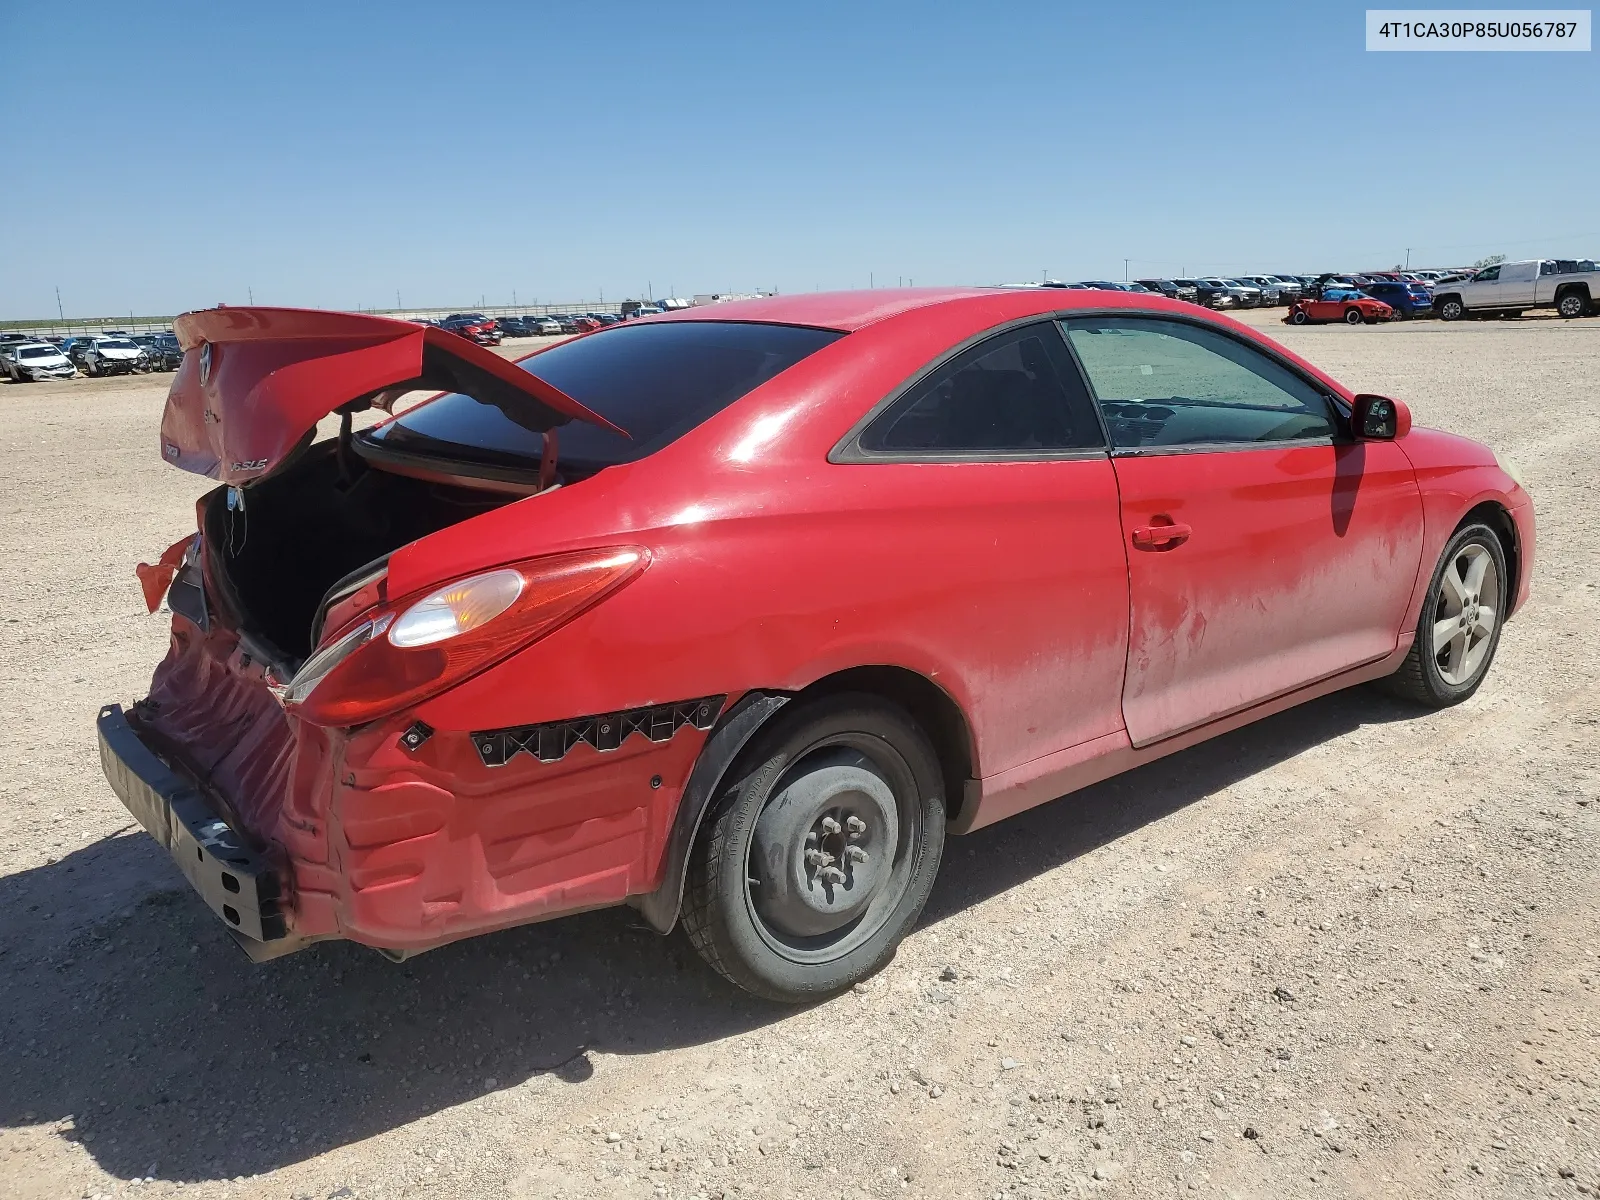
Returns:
(424, 644)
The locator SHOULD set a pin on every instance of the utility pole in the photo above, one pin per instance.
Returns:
(251, 292)
(1408, 258)
(872, 280)
(513, 297)
(1124, 270)
(59, 313)
(397, 303)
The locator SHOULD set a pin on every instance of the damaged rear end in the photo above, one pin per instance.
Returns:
(276, 752)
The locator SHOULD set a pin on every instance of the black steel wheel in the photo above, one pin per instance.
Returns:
(822, 851)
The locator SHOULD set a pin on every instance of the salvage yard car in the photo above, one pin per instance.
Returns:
(29, 361)
(733, 614)
(109, 356)
(1349, 305)
(1570, 286)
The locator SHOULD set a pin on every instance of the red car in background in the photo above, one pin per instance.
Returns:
(734, 614)
(475, 327)
(1353, 308)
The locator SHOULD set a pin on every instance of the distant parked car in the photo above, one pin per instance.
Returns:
(1255, 294)
(475, 327)
(1243, 297)
(28, 361)
(162, 352)
(1210, 295)
(1407, 299)
(609, 318)
(1173, 289)
(1570, 286)
(109, 356)
(1351, 306)
(585, 324)
(513, 327)
(546, 326)
(1275, 290)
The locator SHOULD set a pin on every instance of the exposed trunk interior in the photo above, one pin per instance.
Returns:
(306, 527)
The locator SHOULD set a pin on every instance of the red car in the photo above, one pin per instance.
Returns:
(1338, 305)
(475, 327)
(733, 614)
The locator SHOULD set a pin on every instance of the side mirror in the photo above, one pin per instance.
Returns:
(1379, 419)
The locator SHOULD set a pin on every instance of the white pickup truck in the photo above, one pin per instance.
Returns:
(1570, 286)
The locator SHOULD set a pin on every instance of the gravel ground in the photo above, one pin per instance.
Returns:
(1348, 951)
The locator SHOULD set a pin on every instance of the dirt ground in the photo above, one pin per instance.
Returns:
(1349, 951)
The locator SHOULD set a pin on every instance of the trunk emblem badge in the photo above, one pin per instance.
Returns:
(205, 363)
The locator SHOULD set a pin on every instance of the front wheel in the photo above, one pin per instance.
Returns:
(1451, 309)
(822, 852)
(1459, 629)
(1298, 317)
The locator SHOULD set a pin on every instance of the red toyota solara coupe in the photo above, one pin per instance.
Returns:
(733, 614)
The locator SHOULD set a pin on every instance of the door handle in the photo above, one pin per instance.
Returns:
(1156, 537)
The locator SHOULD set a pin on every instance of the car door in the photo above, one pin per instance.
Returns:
(1517, 281)
(1266, 548)
(1004, 492)
(1483, 289)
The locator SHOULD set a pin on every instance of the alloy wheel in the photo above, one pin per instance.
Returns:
(1463, 625)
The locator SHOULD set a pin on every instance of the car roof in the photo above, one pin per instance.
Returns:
(849, 311)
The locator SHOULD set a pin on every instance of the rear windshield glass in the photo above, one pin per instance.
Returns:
(655, 381)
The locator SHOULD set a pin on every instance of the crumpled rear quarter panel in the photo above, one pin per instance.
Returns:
(409, 849)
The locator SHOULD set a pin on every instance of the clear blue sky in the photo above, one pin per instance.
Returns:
(163, 157)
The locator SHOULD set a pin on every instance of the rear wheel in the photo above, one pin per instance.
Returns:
(822, 853)
(1573, 304)
(1352, 316)
(1459, 629)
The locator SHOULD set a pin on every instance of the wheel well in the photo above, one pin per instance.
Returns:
(1494, 515)
(1566, 288)
(930, 705)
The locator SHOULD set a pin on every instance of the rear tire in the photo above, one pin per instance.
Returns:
(1352, 316)
(1453, 650)
(841, 792)
(1573, 304)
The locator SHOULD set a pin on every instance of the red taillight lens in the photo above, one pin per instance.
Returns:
(425, 644)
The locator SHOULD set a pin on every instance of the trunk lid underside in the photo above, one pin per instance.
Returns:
(254, 382)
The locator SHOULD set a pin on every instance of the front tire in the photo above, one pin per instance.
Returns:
(822, 852)
(1298, 317)
(1451, 309)
(1459, 628)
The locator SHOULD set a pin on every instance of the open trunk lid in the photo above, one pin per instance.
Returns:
(254, 382)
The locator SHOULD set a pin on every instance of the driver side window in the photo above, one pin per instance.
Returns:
(1488, 274)
(1172, 384)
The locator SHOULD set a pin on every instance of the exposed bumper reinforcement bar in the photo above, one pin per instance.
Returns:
(235, 881)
